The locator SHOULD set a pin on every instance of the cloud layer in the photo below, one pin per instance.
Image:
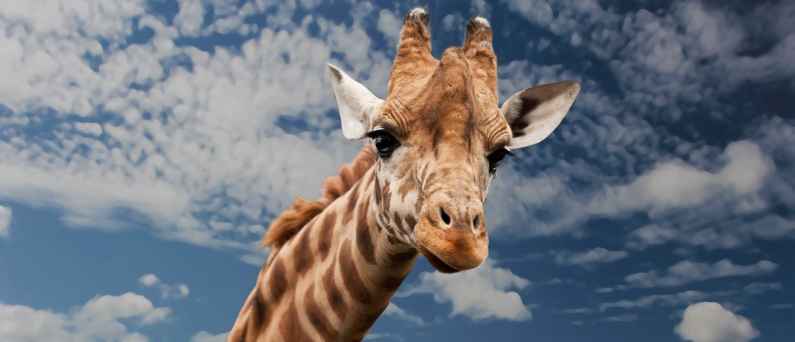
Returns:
(187, 141)
(103, 318)
(685, 272)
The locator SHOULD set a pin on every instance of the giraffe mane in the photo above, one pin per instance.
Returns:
(302, 211)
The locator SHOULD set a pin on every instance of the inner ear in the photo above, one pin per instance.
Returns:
(357, 105)
(535, 112)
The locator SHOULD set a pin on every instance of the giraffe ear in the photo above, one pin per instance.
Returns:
(356, 104)
(535, 112)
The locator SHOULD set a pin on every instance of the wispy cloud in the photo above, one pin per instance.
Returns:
(758, 288)
(203, 336)
(166, 290)
(685, 272)
(624, 318)
(588, 258)
(670, 300)
(578, 311)
(395, 311)
(5, 221)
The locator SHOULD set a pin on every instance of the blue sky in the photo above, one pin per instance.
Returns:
(145, 146)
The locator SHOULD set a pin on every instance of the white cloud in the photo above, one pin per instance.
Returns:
(518, 205)
(395, 311)
(685, 272)
(482, 293)
(89, 128)
(711, 322)
(624, 318)
(203, 336)
(90, 195)
(65, 17)
(674, 299)
(578, 311)
(480, 8)
(103, 318)
(149, 280)
(166, 290)
(674, 184)
(5, 220)
(757, 288)
(453, 22)
(257, 256)
(128, 305)
(190, 17)
(45, 43)
(650, 235)
(389, 25)
(597, 255)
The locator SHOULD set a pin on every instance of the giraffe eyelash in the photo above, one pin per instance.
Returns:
(496, 157)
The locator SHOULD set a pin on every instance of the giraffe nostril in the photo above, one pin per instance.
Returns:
(476, 222)
(444, 216)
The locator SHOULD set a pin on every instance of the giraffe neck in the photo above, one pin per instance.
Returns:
(332, 280)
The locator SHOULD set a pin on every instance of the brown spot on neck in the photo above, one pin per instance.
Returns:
(326, 235)
(364, 239)
(277, 281)
(316, 316)
(290, 326)
(351, 277)
(302, 252)
(353, 197)
(335, 299)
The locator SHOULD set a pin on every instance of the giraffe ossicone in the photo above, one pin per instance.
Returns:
(416, 188)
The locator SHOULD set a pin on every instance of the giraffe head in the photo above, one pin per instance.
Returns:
(440, 135)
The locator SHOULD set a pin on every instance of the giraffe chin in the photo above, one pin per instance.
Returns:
(437, 263)
(452, 250)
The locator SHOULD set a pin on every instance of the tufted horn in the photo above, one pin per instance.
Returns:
(413, 56)
(479, 51)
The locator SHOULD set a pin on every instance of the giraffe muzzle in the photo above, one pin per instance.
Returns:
(453, 239)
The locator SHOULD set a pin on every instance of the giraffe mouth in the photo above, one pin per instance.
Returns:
(437, 262)
(451, 250)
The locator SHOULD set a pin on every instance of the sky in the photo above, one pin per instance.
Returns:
(145, 145)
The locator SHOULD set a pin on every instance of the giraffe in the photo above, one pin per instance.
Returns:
(416, 188)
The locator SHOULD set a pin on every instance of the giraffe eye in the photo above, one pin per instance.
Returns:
(496, 157)
(385, 143)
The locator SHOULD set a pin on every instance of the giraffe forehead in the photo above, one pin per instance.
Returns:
(446, 105)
